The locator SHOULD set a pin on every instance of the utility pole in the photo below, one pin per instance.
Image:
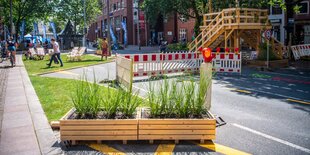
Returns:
(138, 25)
(108, 32)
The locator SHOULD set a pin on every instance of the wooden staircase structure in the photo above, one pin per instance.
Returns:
(228, 27)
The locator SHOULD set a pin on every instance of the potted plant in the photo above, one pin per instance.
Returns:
(100, 114)
(177, 112)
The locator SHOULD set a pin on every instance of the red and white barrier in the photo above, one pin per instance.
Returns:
(164, 63)
(227, 62)
(300, 51)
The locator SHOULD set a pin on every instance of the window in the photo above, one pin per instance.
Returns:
(118, 5)
(183, 19)
(304, 7)
(117, 21)
(122, 4)
(276, 10)
(114, 7)
(182, 34)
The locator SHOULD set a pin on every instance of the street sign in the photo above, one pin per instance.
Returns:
(268, 34)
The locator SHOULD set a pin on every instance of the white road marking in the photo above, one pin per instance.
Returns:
(265, 92)
(140, 88)
(283, 74)
(272, 138)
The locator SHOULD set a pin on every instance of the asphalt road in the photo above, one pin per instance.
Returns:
(257, 106)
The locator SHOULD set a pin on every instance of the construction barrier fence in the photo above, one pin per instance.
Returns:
(164, 63)
(124, 71)
(300, 51)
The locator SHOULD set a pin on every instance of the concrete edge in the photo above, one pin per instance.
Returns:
(76, 67)
(48, 143)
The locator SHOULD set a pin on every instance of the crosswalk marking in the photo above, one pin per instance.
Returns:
(222, 149)
(106, 149)
(165, 149)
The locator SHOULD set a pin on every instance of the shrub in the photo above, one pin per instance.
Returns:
(262, 55)
(177, 47)
(99, 41)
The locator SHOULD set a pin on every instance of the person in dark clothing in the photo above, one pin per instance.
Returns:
(56, 53)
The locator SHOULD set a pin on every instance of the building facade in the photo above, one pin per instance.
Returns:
(172, 29)
(277, 20)
(120, 12)
(301, 23)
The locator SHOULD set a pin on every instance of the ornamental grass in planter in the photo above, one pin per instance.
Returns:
(177, 112)
(100, 114)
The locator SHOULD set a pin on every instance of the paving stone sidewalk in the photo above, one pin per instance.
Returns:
(25, 128)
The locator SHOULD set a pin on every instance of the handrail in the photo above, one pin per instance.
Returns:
(227, 17)
(195, 40)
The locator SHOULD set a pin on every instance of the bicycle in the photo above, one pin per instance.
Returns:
(4, 57)
(12, 60)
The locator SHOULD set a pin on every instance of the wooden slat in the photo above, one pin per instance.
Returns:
(99, 133)
(177, 121)
(176, 127)
(99, 122)
(102, 127)
(174, 132)
(176, 137)
(98, 138)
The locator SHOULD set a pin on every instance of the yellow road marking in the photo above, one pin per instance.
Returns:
(67, 72)
(165, 149)
(302, 102)
(106, 149)
(242, 91)
(222, 149)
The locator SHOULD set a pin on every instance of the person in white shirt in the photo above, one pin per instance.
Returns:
(56, 53)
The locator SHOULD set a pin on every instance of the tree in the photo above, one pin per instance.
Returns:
(74, 10)
(192, 8)
(196, 8)
(28, 10)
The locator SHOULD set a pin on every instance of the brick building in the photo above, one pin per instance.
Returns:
(172, 28)
(302, 23)
(120, 10)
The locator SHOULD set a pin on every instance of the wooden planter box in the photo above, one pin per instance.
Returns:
(97, 129)
(177, 129)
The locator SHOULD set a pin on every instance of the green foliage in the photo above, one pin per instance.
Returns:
(175, 99)
(89, 100)
(39, 67)
(177, 47)
(262, 55)
(86, 98)
(99, 41)
(74, 10)
(28, 10)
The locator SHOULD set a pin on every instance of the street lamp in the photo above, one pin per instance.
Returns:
(138, 25)
(11, 18)
(84, 29)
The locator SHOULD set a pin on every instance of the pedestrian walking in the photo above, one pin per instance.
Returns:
(104, 48)
(56, 53)
(11, 46)
(87, 42)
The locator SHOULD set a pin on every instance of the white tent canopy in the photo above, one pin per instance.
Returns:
(28, 36)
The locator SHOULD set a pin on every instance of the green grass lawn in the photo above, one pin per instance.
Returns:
(55, 95)
(39, 66)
